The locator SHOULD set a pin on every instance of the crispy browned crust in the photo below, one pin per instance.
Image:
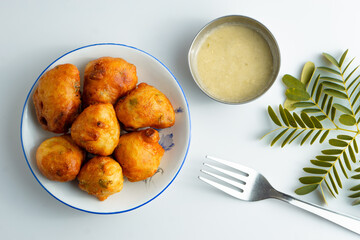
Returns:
(57, 98)
(101, 177)
(139, 154)
(97, 129)
(145, 106)
(59, 158)
(107, 79)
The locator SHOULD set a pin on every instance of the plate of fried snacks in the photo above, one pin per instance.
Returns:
(105, 128)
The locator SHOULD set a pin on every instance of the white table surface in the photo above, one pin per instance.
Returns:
(34, 33)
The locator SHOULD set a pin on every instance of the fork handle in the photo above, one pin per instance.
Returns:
(343, 220)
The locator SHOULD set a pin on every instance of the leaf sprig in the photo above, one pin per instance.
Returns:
(328, 103)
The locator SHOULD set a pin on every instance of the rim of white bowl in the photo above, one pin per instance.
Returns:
(22, 119)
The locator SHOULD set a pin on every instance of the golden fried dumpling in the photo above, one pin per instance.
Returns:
(57, 98)
(101, 177)
(96, 129)
(145, 106)
(59, 158)
(139, 154)
(107, 79)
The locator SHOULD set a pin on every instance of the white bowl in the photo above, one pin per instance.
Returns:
(175, 140)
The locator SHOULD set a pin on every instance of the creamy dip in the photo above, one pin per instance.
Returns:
(234, 63)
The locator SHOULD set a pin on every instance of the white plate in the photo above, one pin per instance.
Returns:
(175, 140)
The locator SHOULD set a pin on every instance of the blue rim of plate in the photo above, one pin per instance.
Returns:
(27, 98)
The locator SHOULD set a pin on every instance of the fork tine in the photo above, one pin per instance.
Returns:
(229, 181)
(237, 166)
(232, 174)
(223, 188)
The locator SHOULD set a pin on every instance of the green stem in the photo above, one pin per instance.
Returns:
(271, 132)
(322, 192)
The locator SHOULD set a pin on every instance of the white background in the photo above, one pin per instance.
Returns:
(34, 33)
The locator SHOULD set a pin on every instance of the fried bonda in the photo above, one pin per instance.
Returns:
(57, 98)
(96, 129)
(145, 106)
(106, 79)
(59, 158)
(139, 154)
(101, 177)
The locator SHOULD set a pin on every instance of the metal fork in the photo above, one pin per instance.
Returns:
(252, 186)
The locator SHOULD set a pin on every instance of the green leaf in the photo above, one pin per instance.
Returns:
(343, 169)
(298, 120)
(315, 137)
(335, 93)
(290, 118)
(347, 120)
(352, 154)
(306, 119)
(343, 56)
(342, 108)
(288, 138)
(347, 66)
(330, 70)
(316, 122)
(357, 176)
(350, 74)
(307, 73)
(333, 85)
(335, 80)
(304, 104)
(347, 162)
(278, 137)
(273, 116)
(318, 93)
(337, 178)
(315, 170)
(355, 195)
(306, 189)
(355, 99)
(283, 115)
(352, 83)
(329, 106)
(337, 143)
(331, 59)
(324, 101)
(320, 163)
(329, 188)
(292, 82)
(355, 188)
(356, 202)
(297, 94)
(355, 146)
(315, 85)
(333, 112)
(344, 137)
(357, 109)
(306, 137)
(333, 183)
(289, 104)
(326, 158)
(357, 169)
(321, 117)
(311, 110)
(332, 151)
(310, 180)
(323, 137)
